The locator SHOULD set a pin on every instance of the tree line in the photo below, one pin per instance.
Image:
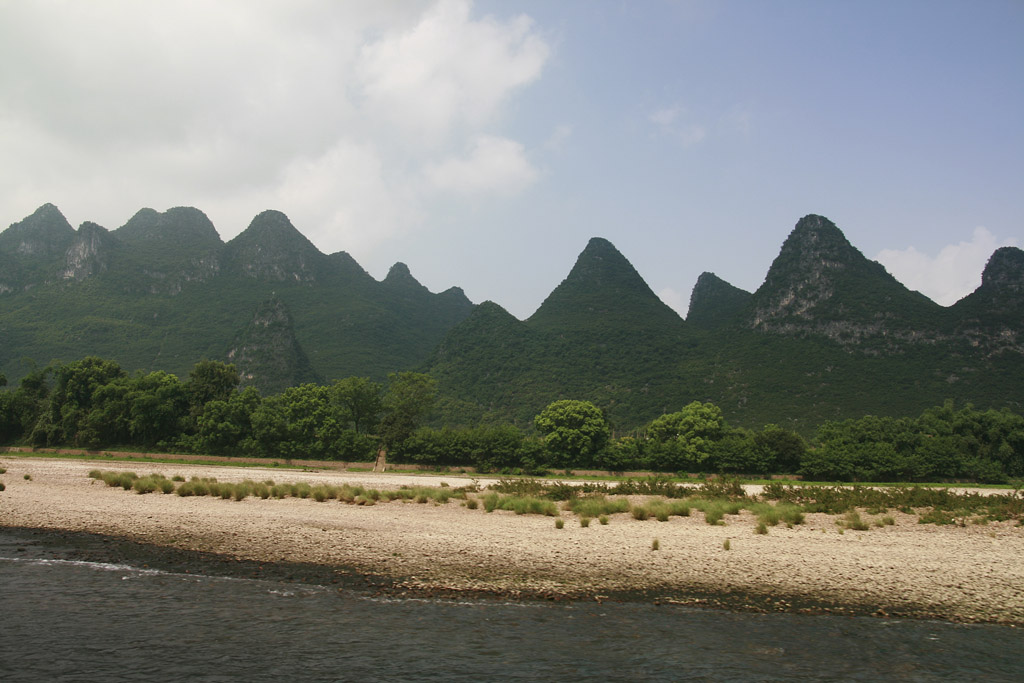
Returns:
(93, 403)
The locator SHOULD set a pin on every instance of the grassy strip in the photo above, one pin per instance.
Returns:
(714, 499)
(940, 506)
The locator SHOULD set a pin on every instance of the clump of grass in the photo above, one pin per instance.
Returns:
(93, 474)
(2, 487)
(559, 522)
(584, 522)
(3, 470)
(177, 477)
(320, 494)
(655, 545)
(640, 513)
(521, 505)
(603, 519)
(887, 520)
(472, 503)
(761, 528)
(594, 506)
(27, 477)
(726, 545)
(853, 521)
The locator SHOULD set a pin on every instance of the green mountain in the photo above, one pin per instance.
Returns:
(830, 334)
(267, 354)
(163, 291)
(715, 302)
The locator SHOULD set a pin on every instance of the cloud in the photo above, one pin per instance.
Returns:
(494, 166)
(951, 274)
(448, 69)
(333, 112)
(671, 122)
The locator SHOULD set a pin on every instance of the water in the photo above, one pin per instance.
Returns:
(62, 618)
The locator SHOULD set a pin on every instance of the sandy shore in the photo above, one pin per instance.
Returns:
(972, 573)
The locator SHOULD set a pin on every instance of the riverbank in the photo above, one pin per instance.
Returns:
(970, 573)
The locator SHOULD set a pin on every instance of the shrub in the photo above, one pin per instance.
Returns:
(471, 503)
(559, 523)
(593, 506)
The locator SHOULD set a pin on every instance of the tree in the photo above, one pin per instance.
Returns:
(694, 430)
(159, 407)
(296, 423)
(210, 380)
(779, 449)
(409, 398)
(358, 401)
(225, 427)
(574, 430)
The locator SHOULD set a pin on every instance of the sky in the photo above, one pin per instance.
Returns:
(483, 143)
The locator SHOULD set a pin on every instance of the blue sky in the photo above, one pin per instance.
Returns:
(484, 143)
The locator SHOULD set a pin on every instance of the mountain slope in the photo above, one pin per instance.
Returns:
(821, 285)
(163, 292)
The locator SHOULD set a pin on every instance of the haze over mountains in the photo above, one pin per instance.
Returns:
(828, 334)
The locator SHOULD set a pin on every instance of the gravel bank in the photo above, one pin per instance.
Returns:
(972, 573)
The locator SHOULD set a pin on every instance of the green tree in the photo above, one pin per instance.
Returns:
(409, 399)
(210, 380)
(298, 423)
(359, 402)
(225, 426)
(779, 449)
(694, 430)
(573, 430)
(159, 406)
(71, 400)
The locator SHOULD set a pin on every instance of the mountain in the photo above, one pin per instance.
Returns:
(991, 318)
(164, 291)
(828, 335)
(33, 249)
(714, 301)
(821, 285)
(604, 295)
(267, 354)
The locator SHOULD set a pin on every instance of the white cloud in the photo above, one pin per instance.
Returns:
(678, 302)
(673, 123)
(448, 69)
(951, 274)
(330, 111)
(494, 166)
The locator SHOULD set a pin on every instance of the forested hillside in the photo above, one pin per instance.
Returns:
(828, 335)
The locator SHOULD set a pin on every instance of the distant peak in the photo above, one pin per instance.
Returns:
(1005, 270)
(399, 270)
(601, 286)
(713, 300)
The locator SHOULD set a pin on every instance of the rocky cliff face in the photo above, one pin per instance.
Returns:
(821, 285)
(266, 352)
(88, 254)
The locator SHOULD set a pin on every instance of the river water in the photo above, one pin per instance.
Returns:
(67, 618)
